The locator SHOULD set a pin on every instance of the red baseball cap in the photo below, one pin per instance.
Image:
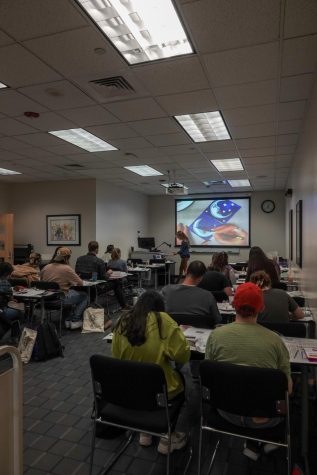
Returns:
(250, 295)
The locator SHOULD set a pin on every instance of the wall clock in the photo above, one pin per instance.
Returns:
(268, 206)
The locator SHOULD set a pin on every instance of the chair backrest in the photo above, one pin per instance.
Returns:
(23, 282)
(220, 295)
(157, 261)
(85, 275)
(300, 301)
(244, 390)
(199, 321)
(280, 285)
(130, 384)
(136, 261)
(45, 285)
(239, 266)
(294, 329)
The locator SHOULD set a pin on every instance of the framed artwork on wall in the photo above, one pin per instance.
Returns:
(290, 235)
(63, 230)
(299, 222)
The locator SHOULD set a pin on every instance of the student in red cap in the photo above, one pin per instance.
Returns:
(247, 343)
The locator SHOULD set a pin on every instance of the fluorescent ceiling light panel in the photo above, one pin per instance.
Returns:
(237, 183)
(4, 171)
(142, 30)
(214, 182)
(228, 164)
(83, 139)
(205, 126)
(2, 86)
(144, 170)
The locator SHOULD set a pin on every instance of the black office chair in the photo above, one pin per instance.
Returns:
(300, 301)
(246, 391)
(280, 285)
(53, 302)
(220, 295)
(133, 396)
(198, 321)
(23, 282)
(292, 329)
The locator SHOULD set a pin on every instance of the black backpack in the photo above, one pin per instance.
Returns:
(47, 344)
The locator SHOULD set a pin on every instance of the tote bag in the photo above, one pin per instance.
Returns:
(94, 320)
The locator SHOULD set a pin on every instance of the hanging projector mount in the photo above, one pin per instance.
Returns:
(174, 188)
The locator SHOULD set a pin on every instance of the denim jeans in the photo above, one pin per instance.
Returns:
(244, 421)
(10, 314)
(80, 299)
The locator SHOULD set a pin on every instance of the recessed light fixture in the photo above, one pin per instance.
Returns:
(204, 127)
(228, 165)
(4, 171)
(142, 30)
(214, 182)
(144, 170)
(2, 85)
(239, 183)
(83, 139)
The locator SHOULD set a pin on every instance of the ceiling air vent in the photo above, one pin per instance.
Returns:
(116, 86)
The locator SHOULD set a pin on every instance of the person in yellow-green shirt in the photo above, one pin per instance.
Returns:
(147, 334)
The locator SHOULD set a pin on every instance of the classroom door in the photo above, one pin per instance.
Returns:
(6, 237)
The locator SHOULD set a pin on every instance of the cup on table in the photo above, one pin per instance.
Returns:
(94, 276)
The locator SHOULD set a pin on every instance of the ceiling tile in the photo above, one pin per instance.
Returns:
(256, 130)
(260, 142)
(289, 139)
(5, 39)
(168, 139)
(257, 152)
(292, 110)
(93, 115)
(43, 18)
(221, 155)
(112, 131)
(295, 88)
(217, 25)
(189, 102)
(155, 126)
(48, 121)
(57, 95)
(250, 94)
(130, 144)
(14, 104)
(143, 108)
(39, 139)
(300, 17)
(68, 51)
(8, 143)
(299, 55)
(216, 146)
(250, 115)
(14, 127)
(289, 126)
(18, 67)
(237, 66)
(173, 76)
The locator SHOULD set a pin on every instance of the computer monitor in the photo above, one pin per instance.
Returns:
(146, 243)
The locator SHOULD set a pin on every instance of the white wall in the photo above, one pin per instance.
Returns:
(120, 214)
(303, 181)
(267, 229)
(4, 194)
(31, 202)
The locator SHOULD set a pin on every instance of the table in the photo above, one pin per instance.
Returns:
(34, 294)
(138, 271)
(89, 284)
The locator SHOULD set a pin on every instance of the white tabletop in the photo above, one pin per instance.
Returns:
(33, 293)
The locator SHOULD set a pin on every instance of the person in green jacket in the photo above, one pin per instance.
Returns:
(146, 333)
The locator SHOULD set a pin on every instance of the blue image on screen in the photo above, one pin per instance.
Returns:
(217, 213)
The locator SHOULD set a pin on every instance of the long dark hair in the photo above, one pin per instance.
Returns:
(132, 324)
(259, 261)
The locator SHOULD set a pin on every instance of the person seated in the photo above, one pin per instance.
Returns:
(7, 314)
(110, 248)
(30, 270)
(245, 342)
(116, 263)
(220, 263)
(188, 299)
(146, 333)
(60, 271)
(214, 280)
(259, 261)
(279, 307)
(89, 263)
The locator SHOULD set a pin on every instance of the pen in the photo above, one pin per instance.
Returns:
(295, 354)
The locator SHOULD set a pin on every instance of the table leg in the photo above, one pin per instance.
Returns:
(155, 279)
(42, 311)
(304, 424)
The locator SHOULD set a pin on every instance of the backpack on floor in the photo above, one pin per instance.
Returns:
(47, 344)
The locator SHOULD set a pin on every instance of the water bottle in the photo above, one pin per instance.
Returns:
(94, 276)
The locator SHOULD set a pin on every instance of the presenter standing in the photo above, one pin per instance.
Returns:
(183, 252)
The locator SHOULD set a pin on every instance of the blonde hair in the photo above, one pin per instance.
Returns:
(116, 254)
(181, 236)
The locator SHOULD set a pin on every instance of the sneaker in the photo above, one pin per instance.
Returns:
(268, 448)
(145, 440)
(179, 440)
(76, 324)
(67, 323)
(252, 450)
(108, 324)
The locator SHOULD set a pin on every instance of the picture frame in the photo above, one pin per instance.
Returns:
(63, 229)
(299, 224)
(290, 235)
